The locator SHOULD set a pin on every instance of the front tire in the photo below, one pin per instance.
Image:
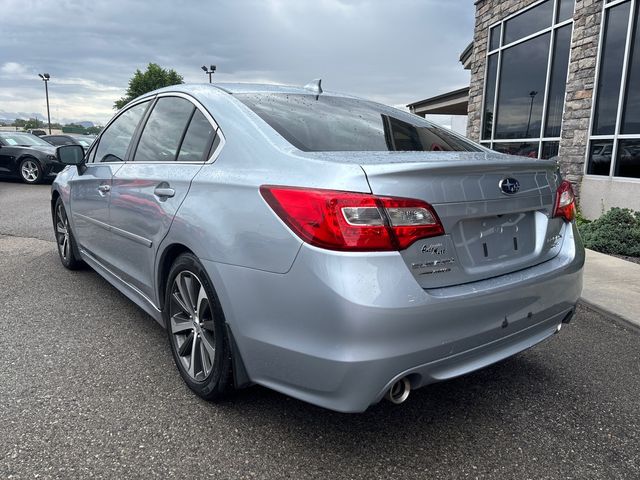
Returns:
(31, 171)
(64, 238)
(196, 329)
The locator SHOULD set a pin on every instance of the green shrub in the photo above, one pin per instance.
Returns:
(617, 232)
(580, 220)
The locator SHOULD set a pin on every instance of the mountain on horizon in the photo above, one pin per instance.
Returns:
(8, 117)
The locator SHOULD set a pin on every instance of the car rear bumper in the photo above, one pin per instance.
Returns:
(338, 329)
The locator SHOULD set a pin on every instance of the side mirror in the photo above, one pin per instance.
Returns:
(72, 155)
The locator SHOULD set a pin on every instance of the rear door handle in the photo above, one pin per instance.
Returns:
(104, 188)
(164, 192)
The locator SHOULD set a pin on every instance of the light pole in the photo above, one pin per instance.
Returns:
(45, 78)
(209, 71)
(532, 94)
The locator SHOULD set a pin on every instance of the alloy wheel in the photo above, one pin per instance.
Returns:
(30, 170)
(192, 325)
(62, 232)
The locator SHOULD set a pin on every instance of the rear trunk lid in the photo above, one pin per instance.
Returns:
(487, 232)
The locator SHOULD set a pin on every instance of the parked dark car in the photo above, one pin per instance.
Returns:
(37, 132)
(65, 139)
(27, 157)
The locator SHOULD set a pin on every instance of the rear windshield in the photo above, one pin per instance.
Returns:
(325, 123)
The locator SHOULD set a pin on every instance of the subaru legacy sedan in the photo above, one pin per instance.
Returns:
(333, 249)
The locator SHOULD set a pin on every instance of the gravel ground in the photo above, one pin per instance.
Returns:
(88, 389)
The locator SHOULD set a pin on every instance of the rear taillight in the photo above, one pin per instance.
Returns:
(349, 221)
(565, 202)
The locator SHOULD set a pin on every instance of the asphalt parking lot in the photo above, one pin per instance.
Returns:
(88, 389)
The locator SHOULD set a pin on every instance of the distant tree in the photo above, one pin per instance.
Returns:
(73, 128)
(32, 123)
(95, 130)
(142, 82)
(81, 130)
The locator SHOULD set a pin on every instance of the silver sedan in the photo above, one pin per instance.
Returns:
(333, 249)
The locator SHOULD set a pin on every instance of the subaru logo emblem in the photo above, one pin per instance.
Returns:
(509, 186)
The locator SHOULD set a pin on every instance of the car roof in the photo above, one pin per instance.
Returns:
(239, 87)
(266, 88)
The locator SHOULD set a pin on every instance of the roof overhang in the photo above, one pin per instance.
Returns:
(466, 56)
(452, 103)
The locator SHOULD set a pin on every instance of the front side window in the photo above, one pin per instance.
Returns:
(526, 76)
(115, 140)
(164, 130)
(614, 148)
(326, 123)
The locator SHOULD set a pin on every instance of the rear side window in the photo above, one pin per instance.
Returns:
(317, 123)
(197, 139)
(164, 130)
(115, 140)
(58, 140)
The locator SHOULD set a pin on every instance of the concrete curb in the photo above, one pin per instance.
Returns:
(619, 320)
(612, 286)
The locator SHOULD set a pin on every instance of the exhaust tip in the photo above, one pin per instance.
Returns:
(399, 391)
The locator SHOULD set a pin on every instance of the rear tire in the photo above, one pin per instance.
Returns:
(30, 171)
(196, 328)
(64, 238)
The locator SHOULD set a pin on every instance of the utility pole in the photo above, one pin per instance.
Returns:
(45, 78)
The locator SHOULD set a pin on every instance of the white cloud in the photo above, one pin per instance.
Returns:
(394, 52)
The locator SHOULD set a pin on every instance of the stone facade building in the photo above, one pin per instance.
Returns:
(562, 77)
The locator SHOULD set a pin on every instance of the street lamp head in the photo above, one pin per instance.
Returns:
(47, 76)
(204, 68)
(533, 93)
(213, 68)
(41, 76)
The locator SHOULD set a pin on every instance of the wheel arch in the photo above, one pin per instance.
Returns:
(167, 257)
(54, 198)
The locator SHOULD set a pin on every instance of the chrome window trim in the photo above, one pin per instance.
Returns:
(552, 29)
(616, 136)
(217, 130)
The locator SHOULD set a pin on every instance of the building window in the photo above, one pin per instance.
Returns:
(527, 64)
(614, 148)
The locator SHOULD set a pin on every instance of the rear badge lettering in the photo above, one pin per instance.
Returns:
(435, 263)
(436, 249)
(554, 240)
(432, 272)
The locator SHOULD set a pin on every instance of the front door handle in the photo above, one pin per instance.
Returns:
(104, 188)
(164, 192)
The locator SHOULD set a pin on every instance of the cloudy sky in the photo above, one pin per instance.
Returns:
(394, 51)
